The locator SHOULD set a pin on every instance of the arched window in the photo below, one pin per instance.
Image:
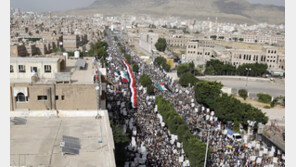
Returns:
(20, 97)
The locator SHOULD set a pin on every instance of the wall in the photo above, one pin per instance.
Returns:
(76, 97)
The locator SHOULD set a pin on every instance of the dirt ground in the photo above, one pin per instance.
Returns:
(257, 104)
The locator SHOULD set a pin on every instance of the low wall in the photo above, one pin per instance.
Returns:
(53, 113)
(234, 77)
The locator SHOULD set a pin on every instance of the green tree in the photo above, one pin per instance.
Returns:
(221, 37)
(166, 67)
(243, 93)
(184, 68)
(264, 98)
(241, 39)
(150, 90)
(145, 80)
(128, 58)
(206, 91)
(214, 37)
(210, 70)
(161, 44)
(121, 141)
(187, 79)
(193, 147)
(135, 68)
(161, 61)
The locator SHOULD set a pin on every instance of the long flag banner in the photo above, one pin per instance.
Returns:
(131, 85)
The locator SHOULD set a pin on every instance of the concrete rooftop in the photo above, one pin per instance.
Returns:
(37, 143)
(81, 76)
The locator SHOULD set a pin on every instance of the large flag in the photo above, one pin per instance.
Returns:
(161, 86)
(131, 85)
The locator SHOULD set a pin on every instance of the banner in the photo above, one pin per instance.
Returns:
(131, 85)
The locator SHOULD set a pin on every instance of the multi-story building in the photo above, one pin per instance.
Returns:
(54, 83)
(177, 40)
(204, 51)
(70, 42)
(268, 55)
(18, 50)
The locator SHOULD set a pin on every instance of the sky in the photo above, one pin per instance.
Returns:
(49, 5)
(63, 5)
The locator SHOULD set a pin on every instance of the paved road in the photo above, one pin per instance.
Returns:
(274, 89)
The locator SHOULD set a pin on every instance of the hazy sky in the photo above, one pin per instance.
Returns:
(49, 5)
(60, 5)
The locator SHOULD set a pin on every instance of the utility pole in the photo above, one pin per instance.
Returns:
(248, 71)
(205, 163)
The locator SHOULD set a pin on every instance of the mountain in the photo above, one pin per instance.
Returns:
(237, 11)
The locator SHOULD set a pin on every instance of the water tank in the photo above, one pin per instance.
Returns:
(34, 78)
(76, 54)
(65, 54)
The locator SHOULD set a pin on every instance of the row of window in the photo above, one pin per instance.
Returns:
(192, 46)
(22, 69)
(22, 98)
(198, 53)
(271, 51)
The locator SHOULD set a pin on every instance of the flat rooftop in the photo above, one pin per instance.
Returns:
(37, 143)
(77, 75)
(81, 76)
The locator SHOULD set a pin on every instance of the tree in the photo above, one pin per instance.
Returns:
(243, 93)
(135, 68)
(145, 80)
(227, 108)
(150, 89)
(187, 79)
(161, 44)
(264, 98)
(193, 147)
(217, 67)
(128, 58)
(161, 61)
(210, 70)
(121, 141)
(206, 91)
(214, 37)
(221, 37)
(166, 67)
(241, 39)
(184, 68)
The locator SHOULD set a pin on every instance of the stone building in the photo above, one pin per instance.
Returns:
(54, 83)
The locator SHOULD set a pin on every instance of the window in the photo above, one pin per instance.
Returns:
(20, 97)
(33, 69)
(22, 68)
(11, 68)
(56, 97)
(47, 68)
(63, 97)
(42, 97)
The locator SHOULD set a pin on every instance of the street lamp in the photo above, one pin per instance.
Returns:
(248, 71)
(208, 136)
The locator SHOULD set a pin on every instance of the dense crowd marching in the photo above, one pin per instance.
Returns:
(151, 142)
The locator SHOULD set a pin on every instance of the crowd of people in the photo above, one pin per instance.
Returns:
(151, 142)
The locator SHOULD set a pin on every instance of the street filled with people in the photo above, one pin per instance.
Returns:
(152, 144)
